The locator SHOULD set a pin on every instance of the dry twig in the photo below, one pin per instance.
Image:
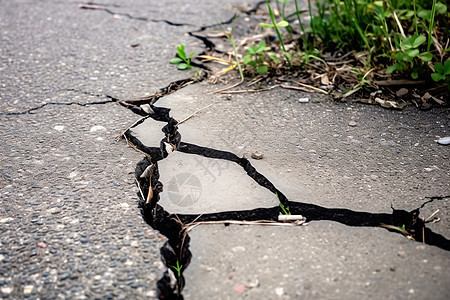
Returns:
(193, 114)
(136, 149)
(250, 91)
(128, 128)
(312, 87)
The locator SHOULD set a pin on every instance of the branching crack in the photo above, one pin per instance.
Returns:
(31, 110)
(175, 227)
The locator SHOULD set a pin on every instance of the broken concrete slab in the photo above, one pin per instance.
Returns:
(323, 260)
(194, 184)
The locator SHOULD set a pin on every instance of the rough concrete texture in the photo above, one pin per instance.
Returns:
(70, 226)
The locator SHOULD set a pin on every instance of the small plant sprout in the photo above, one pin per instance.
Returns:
(408, 54)
(275, 26)
(284, 209)
(401, 230)
(178, 268)
(233, 44)
(183, 61)
(255, 57)
(442, 71)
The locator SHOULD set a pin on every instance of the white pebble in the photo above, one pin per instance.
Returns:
(97, 128)
(303, 100)
(279, 291)
(59, 127)
(6, 290)
(444, 140)
(72, 175)
(124, 205)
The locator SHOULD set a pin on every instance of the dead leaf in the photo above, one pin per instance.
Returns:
(427, 97)
(324, 79)
(390, 104)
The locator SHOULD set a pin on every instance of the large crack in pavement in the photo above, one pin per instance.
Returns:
(176, 254)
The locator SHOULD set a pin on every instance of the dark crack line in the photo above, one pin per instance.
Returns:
(138, 105)
(171, 23)
(176, 250)
(112, 99)
(434, 198)
(242, 161)
(103, 7)
(208, 44)
(107, 10)
(255, 8)
(31, 110)
(229, 21)
(101, 4)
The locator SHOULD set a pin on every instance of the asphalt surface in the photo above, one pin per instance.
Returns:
(69, 221)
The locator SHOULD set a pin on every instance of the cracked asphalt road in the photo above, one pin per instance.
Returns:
(69, 222)
(70, 226)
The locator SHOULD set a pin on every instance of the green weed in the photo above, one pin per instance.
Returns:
(233, 44)
(410, 57)
(178, 268)
(442, 73)
(255, 57)
(183, 60)
(276, 26)
(284, 209)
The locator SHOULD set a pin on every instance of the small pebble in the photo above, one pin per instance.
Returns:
(444, 140)
(257, 155)
(253, 283)
(6, 290)
(97, 128)
(279, 291)
(401, 92)
(28, 289)
(431, 169)
(303, 100)
(59, 127)
(352, 123)
(42, 245)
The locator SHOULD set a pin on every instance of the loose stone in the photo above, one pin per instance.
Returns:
(28, 289)
(401, 92)
(303, 100)
(257, 155)
(97, 128)
(444, 140)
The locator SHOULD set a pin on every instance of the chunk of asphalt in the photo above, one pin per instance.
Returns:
(149, 132)
(194, 184)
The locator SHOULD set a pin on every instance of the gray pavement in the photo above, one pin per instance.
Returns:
(69, 220)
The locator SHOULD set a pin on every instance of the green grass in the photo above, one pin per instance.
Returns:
(403, 39)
